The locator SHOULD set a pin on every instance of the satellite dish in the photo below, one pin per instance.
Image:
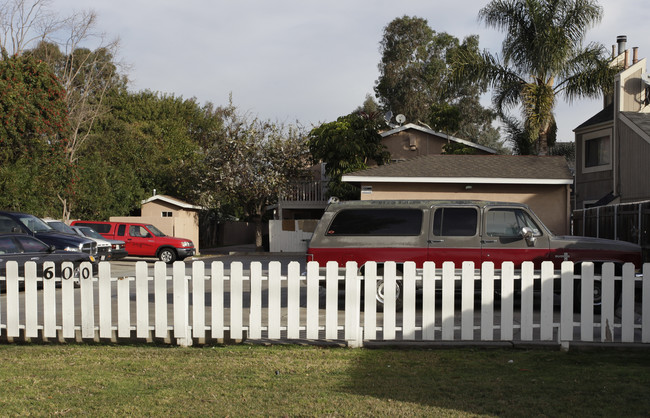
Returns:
(400, 118)
(388, 116)
(645, 77)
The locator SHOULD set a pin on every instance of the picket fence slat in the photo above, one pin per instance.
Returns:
(331, 300)
(104, 299)
(87, 295)
(546, 302)
(313, 285)
(507, 301)
(49, 304)
(13, 307)
(31, 302)
(255, 315)
(217, 298)
(436, 303)
(428, 301)
(293, 301)
(275, 312)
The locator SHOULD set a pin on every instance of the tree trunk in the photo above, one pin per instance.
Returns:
(542, 144)
(259, 245)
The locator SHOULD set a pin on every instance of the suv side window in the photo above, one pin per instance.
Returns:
(508, 223)
(455, 222)
(377, 222)
(8, 246)
(9, 225)
(120, 230)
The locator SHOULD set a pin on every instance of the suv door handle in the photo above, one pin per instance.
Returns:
(488, 241)
(431, 241)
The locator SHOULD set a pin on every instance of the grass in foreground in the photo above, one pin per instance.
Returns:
(291, 380)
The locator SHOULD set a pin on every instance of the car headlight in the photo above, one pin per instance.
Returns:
(77, 249)
(186, 244)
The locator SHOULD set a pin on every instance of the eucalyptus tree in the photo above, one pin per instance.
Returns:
(414, 78)
(543, 57)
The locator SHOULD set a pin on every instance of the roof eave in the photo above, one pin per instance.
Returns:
(453, 180)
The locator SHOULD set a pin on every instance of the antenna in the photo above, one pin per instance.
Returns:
(400, 118)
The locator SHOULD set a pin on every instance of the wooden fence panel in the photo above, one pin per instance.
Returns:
(270, 305)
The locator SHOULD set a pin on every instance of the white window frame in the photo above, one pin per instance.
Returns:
(594, 135)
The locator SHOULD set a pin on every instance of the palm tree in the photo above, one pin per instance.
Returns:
(543, 57)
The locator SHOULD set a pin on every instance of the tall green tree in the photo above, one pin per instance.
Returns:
(148, 141)
(33, 127)
(543, 57)
(347, 145)
(415, 79)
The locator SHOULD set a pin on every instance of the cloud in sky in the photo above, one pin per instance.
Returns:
(301, 60)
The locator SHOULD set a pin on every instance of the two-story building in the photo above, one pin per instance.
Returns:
(613, 146)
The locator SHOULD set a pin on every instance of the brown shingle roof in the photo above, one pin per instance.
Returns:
(485, 167)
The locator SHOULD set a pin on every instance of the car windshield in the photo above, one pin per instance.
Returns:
(61, 227)
(89, 232)
(35, 224)
(157, 232)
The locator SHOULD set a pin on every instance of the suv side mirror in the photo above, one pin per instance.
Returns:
(528, 235)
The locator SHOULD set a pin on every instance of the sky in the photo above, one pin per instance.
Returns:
(302, 61)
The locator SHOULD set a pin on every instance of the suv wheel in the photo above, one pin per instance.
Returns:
(167, 255)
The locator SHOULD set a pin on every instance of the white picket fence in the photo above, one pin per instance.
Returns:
(439, 304)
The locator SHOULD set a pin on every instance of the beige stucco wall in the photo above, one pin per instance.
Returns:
(550, 202)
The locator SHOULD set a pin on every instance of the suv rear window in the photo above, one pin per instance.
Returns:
(378, 222)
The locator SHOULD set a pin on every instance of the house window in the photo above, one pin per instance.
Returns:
(166, 214)
(597, 152)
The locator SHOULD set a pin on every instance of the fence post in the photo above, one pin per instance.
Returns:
(353, 329)
(566, 304)
(181, 306)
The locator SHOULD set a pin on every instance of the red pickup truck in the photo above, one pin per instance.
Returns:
(143, 240)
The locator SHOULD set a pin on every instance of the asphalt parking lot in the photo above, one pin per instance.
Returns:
(245, 254)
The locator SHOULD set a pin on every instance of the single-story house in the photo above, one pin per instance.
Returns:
(542, 182)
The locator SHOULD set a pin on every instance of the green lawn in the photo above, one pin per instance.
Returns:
(246, 380)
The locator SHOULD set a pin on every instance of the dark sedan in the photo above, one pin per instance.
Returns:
(23, 248)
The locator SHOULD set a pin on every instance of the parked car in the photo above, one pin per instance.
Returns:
(118, 249)
(457, 231)
(23, 248)
(143, 239)
(16, 222)
(103, 246)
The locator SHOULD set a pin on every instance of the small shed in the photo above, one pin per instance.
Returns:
(172, 216)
